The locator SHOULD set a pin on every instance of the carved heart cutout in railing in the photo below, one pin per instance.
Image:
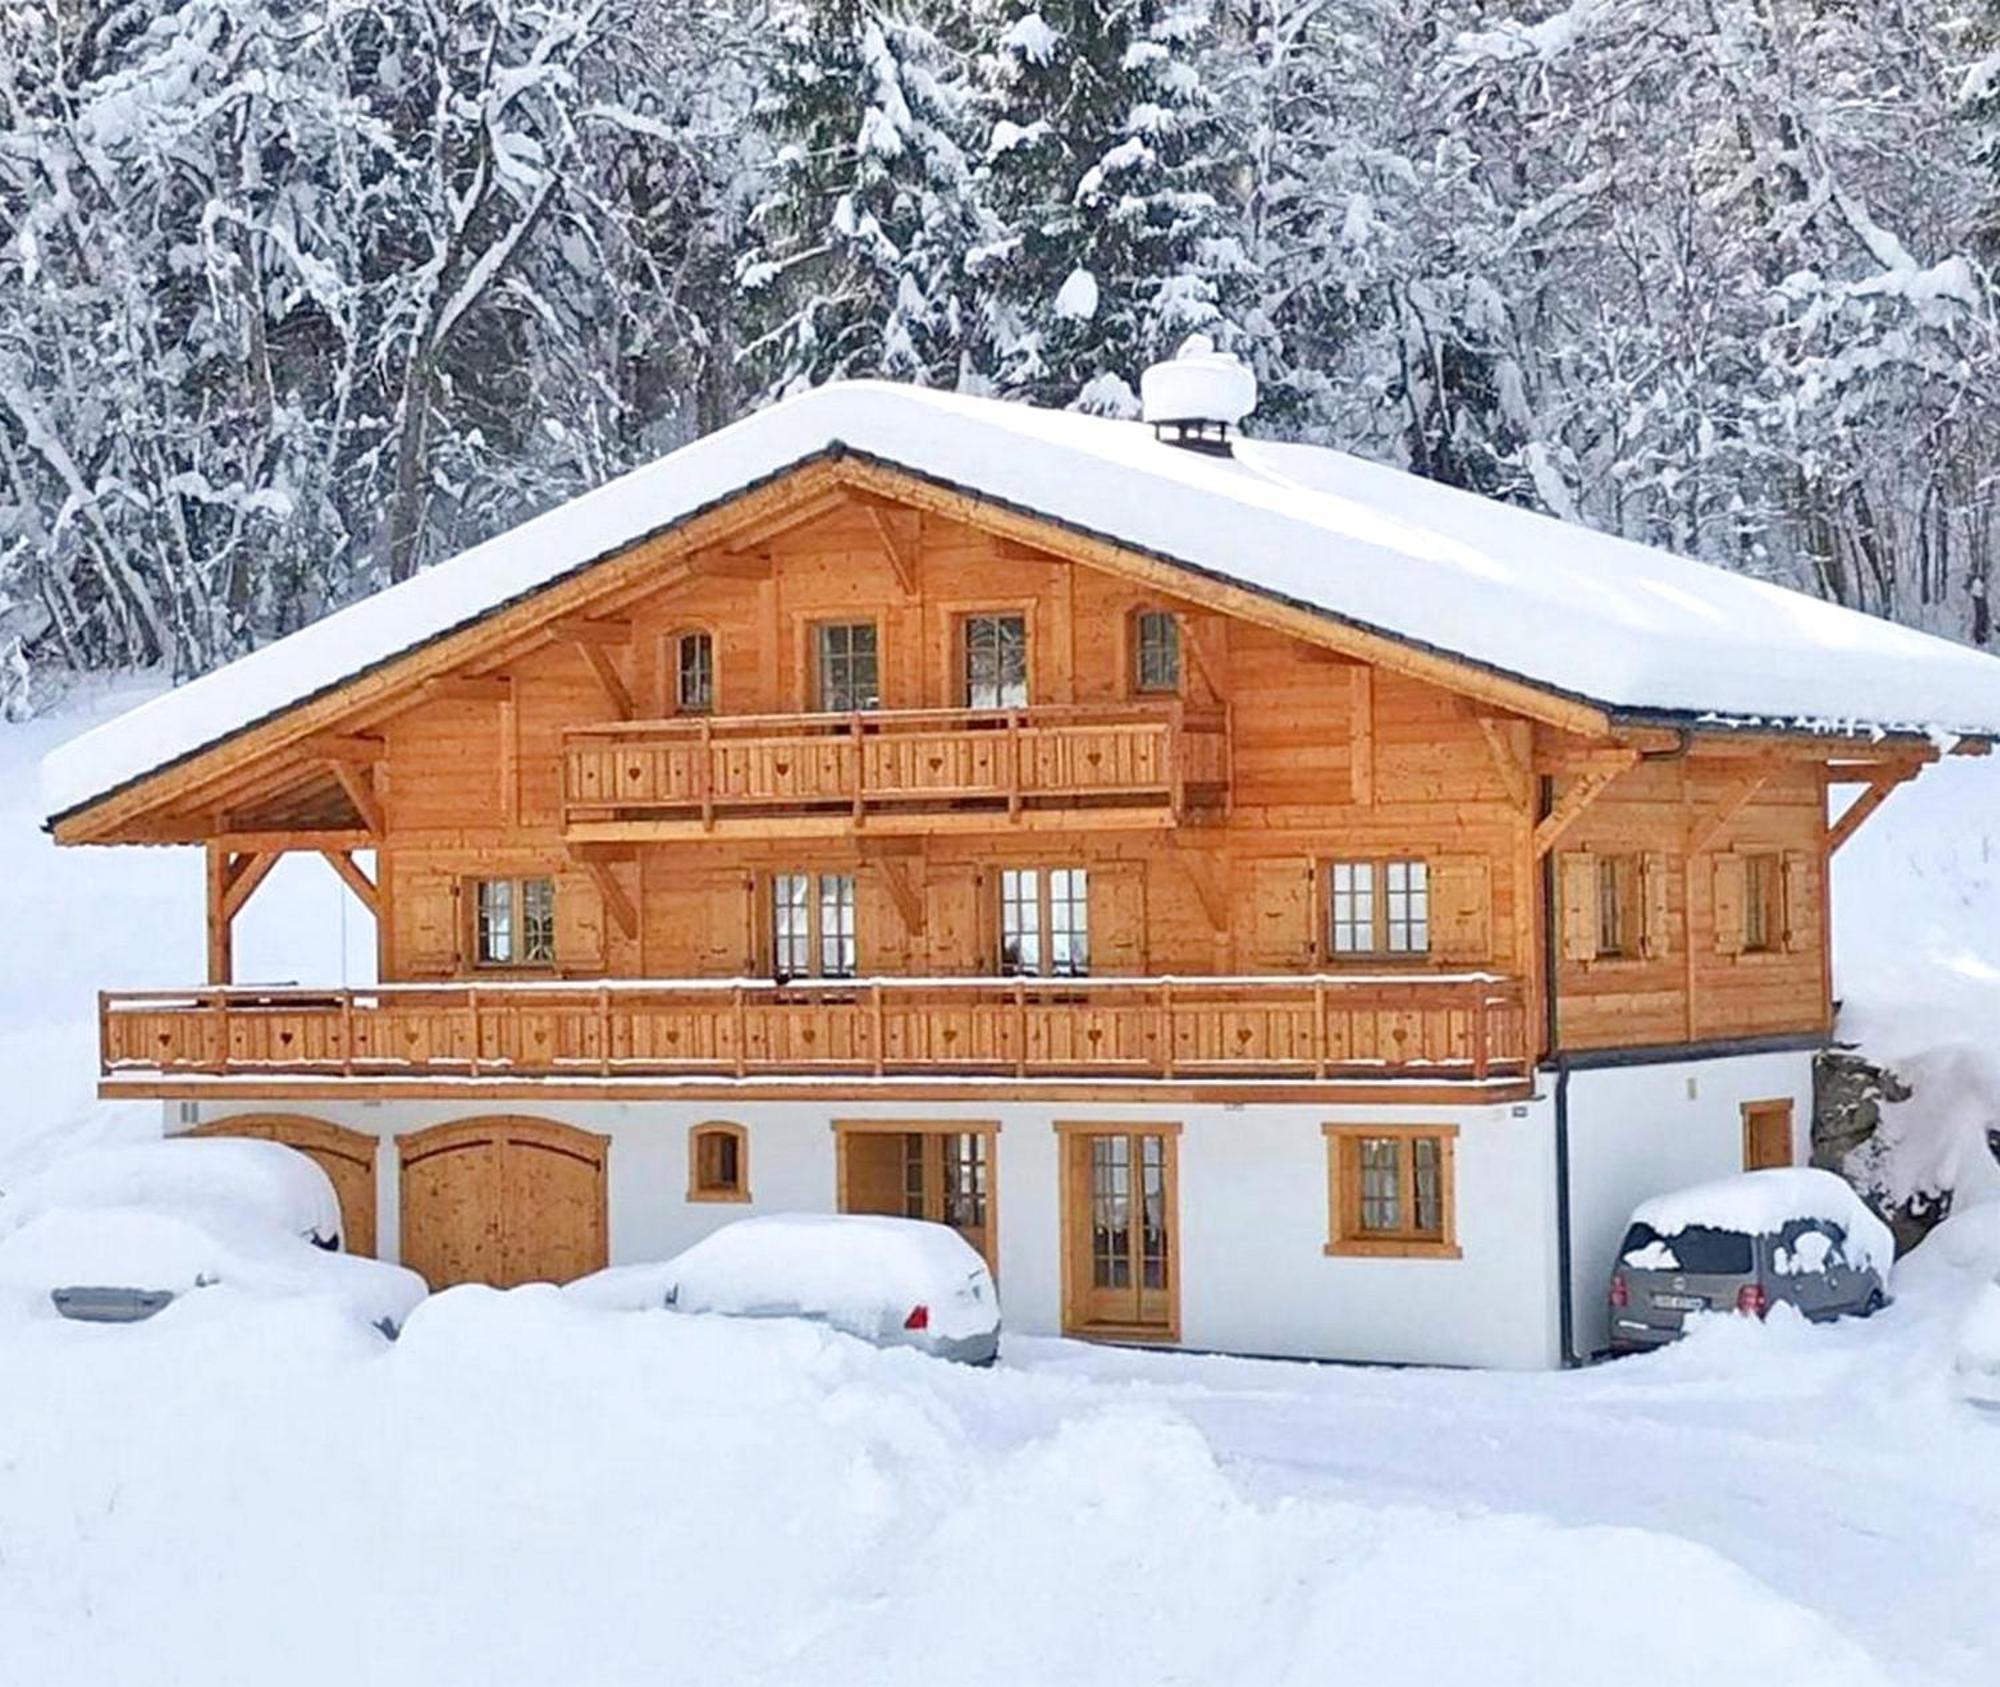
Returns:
(1094, 1035)
(808, 1035)
(284, 1039)
(673, 1039)
(936, 763)
(781, 768)
(1242, 1036)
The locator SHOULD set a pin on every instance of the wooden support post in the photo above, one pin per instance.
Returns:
(245, 875)
(221, 958)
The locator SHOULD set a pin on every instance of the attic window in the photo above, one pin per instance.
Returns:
(1156, 651)
(694, 674)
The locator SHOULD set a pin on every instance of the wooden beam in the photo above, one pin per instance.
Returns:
(597, 631)
(360, 788)
(1571, 805)
(1706, 828)
(354, 748)
(616, 903)
(471, 688)
(1503, 746)
(1361, 735)
(244, 882)
(357, 881)
(902, 885)
(901, 551)
(1862, 807)
(610, 678)
(719, 564)
(221, 960)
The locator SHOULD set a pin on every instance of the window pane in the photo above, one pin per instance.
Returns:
(1069, 922)
(964, 1179)
(1612, 881)
(1020, 921)
(1352, 907)
(1159, 658)
(538, 921)
(1407, 907)
(913, 1175)
(694, 692)
(1427, 1180)
(996, 662)
(1381, 1184)
(791, 927)
(847, 667)
(496, 920)
(1111, 1212)
(836, 925)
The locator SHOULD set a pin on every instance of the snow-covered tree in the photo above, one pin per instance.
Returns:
(1105, 165)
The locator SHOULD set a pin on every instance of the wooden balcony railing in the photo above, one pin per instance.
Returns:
(901, 765)
(1462, 1026)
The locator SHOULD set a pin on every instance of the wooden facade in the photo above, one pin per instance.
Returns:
(1314, 855)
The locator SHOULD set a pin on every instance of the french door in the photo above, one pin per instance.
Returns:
(1120, 1200)
(940, 1173)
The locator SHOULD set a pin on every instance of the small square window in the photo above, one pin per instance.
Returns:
(1389, 1190)
(718, 1163)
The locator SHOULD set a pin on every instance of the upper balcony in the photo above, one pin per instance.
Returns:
(895, 771)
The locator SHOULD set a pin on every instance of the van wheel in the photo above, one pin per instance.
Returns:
(1873, 1304)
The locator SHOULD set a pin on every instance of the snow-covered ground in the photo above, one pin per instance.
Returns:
(528, 1489)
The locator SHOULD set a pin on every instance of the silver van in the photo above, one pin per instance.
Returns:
(1741, 1246)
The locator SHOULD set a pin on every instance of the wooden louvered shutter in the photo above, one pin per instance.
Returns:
(1576, 883)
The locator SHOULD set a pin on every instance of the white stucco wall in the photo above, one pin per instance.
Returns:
(1638, 1131)
(1253, 1213)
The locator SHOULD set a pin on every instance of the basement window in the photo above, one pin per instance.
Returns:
(718, 1163)
(516, 921)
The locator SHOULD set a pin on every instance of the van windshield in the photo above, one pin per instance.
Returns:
(1698, 1251)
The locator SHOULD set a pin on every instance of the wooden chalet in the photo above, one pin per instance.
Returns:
(1265, 901)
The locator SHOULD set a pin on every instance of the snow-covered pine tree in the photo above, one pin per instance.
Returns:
(858, 256)
(1105, 163)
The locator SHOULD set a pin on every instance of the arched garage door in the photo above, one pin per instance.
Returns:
(347, 1157)
(502, 1200)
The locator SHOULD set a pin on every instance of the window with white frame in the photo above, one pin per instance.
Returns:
(1378, 908)
(813, 932)
(1045, 921)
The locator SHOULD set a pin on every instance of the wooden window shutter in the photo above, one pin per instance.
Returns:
(427, 917)
(1461, 904)
(1655, 918)
(1730, 892)
(1577, 890)
(579, 924)
(1118, 917)
(722, 918)
(1280, 915)
(955, 922)
(1799, 900)
(882, 937)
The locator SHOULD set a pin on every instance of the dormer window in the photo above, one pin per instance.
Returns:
(1156, 650)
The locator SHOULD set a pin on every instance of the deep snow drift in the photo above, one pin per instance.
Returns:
(530, 1490)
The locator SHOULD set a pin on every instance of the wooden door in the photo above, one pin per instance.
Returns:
(1767, 1134)
(1120, 1223)
(347, 1157)
(503, 1201)
(940, 1173)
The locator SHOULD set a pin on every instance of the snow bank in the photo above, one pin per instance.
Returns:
(1762, 1203)
(855, 1270)
(205, 1178)
(526, 1491)
(1583, 612)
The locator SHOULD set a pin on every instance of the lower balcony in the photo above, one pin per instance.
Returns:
(1460, 1027)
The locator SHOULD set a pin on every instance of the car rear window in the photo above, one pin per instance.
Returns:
(1698, 1250)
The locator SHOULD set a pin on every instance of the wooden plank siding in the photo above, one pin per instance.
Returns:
(1319, 755)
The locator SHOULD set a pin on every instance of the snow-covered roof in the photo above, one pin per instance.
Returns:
(1637, 631)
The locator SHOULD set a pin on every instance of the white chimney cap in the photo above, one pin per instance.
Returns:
(1201, 384)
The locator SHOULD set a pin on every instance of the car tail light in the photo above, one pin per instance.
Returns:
(1620, 1295)
(1751, 1298)
(919, 1318)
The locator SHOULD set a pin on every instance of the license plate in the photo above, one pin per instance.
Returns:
(1681, 1303)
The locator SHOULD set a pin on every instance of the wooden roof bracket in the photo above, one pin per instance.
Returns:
(1572, 804)
(896, 546)
(1207, 886)
(1877, 793)
(359, 784)
(351, 875)
(616, 903)
(1503, 744)
(1706, 828)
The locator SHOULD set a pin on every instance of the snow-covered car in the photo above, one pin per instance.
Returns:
(123, 1264)
(113, 1235)
(1744, 1244)
(199, 1178)
(893, 1282)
